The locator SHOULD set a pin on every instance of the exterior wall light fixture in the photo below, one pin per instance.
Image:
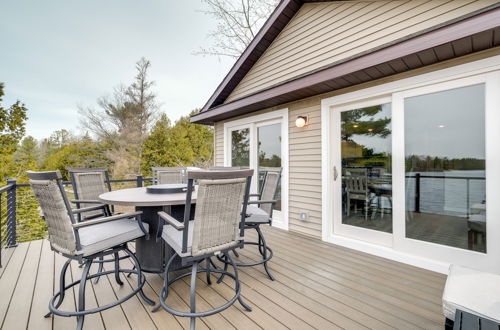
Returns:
(301, 121)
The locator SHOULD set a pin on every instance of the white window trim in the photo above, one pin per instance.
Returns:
(485, 69)
(253, 122)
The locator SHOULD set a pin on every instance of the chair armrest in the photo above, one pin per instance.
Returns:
(87, 209)
(86, 201)
(171, 220)
(271, 201)
(108, 219)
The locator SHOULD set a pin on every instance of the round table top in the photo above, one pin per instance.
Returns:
(139, 197)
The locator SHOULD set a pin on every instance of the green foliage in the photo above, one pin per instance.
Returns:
(12, 129)
(80, 153)
(361, 122)
(183, 144)
(240, 147)
(416, 163)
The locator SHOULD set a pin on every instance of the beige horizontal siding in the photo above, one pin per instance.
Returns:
(321, 34)
(305, 147)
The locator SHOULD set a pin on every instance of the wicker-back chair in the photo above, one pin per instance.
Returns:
(85, 241)
(356, 186)
(260, 212)
(88, 184)
(163, 175)
(216, 228)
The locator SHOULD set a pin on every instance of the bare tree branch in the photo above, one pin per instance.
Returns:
(238, 22)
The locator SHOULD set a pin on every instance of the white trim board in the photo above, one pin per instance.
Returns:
(253, 122)
(465, 74)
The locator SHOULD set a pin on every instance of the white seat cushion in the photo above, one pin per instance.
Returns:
(472, 291)
(173, 237)
(99, 237)
(257, 215)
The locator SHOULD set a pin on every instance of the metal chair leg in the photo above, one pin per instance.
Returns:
(62, 285)
(237, 286)
(192, 298)
(141, 279)
(166, 284)
(81, 294)
(117, 269)
(264, 245)
(221, 278)
(207, 265)
(99, 270)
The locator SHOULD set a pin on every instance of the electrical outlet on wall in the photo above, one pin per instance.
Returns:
(303, 216)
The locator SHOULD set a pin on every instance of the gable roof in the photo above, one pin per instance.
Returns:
(433, 45)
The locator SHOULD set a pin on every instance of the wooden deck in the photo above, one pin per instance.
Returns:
(318, 285)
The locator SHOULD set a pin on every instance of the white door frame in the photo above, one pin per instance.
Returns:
(419, 253)
(253, 122)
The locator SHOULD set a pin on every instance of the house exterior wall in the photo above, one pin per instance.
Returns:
(321, 34)
(305, 185)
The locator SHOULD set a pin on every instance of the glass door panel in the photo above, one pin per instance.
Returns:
(366, 192)
(269, 154)
(240, 148)
(445, 156)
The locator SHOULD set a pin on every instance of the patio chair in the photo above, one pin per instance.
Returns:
(85, 241)
(471, 291)
(88, 184)
(356, 183)
(166, 175)
(260, 212)
(217, 228)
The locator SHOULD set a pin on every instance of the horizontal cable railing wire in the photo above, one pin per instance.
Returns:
(20, 215)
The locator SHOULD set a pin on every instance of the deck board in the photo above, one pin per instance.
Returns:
(318, 286)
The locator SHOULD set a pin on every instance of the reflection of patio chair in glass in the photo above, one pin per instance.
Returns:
(381, 190)
(356, 182)
(476, 225)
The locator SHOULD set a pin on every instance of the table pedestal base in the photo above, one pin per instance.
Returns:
(153, 254)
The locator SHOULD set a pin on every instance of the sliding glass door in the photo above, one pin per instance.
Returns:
(259, 144)
(415, 170)
(363, 171)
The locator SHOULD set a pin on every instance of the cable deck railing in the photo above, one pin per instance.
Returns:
(20, 218)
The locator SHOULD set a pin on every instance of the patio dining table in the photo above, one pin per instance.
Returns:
(151, 253)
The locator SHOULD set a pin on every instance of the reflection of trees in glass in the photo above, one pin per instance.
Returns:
(240, 147)
(362, 122)
(416, 163)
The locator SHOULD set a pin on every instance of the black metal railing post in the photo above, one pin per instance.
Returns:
(11, 214)
(468, 198)
(139, 180)
(417, 193)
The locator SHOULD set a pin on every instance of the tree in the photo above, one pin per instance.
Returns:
(184, 144)
(78, 153)
(238, 22)
(361, 122)
(26, 157)
(12, 129)
(124, 120)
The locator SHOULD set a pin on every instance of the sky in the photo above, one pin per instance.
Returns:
(56, 55)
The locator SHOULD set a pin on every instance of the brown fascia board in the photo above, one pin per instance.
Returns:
(464, 28)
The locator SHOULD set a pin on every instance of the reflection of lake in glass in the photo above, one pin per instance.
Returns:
(446, 196)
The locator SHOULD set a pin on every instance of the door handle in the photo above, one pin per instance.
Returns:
(335, 173)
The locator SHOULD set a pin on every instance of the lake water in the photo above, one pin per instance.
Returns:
(446, 196)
